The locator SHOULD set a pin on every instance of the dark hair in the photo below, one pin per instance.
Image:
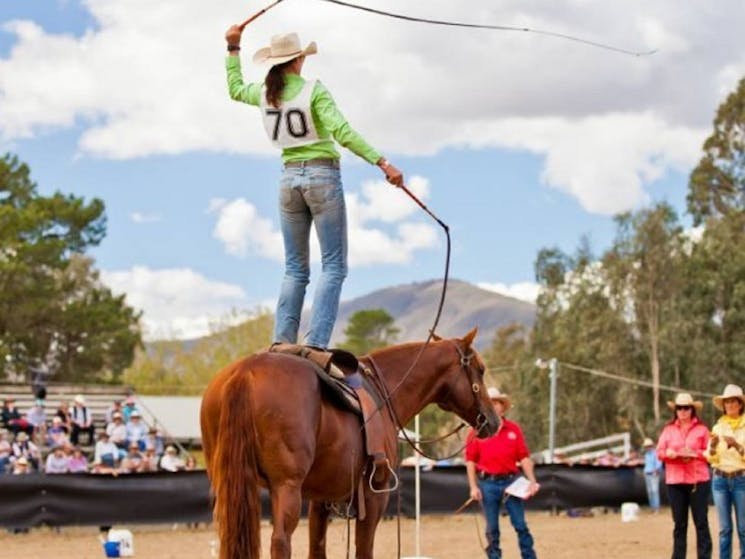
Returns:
(275, 83)
(694, 414)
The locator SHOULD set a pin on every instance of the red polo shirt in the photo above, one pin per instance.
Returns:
(500, 453)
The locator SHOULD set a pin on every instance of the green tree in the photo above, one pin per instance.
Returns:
(644, 277)
(717, 184)
(54, 311)
(368, 330)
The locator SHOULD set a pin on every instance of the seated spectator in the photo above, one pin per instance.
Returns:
(117, 431)
(82, 421)
(154, 441)
(57, 434)
(116, 407)
(191, 463)
(63, 412)
(634, 459)
(136, 430)
(129, 407)
(106, 453)
(133, 461)
(608, 459)
(37, 417)
(5, 451)
(170, 461)
(21, 466)
(57, 462)
(22, 447)
(12, 419)
(149, 461)
(77, 463)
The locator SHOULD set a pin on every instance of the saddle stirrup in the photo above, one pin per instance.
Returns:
(372, 475)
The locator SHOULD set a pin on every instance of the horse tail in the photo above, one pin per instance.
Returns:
(237, 505)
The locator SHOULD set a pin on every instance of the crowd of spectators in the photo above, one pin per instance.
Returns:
(32, 442)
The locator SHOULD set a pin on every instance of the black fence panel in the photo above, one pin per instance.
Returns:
(86, 499)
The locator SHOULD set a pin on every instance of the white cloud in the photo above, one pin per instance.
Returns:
(241, 229)
(607, 124)
(378, 229)
(178, 302)
(524, 291)
(602, 161)
(141, 217)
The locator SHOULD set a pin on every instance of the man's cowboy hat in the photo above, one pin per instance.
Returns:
(494, 394)
(283, 48)
(730, 391)
(22, 436)
(685, 399)
(647, 442)
(80, 399)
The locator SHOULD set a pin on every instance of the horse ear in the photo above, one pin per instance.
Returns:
(436, 338)
(468, 338)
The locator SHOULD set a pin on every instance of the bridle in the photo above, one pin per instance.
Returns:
(465, 360)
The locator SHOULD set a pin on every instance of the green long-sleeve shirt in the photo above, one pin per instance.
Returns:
(328, 120)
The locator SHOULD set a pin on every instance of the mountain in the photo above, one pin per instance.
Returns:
(413, 306)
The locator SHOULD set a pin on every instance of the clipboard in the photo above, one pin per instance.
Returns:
(519, 488)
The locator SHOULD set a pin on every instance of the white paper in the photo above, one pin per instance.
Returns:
(519, 488)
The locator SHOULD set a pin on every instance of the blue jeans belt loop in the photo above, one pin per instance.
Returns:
(736, 473)
(331, 163)
(495, 477)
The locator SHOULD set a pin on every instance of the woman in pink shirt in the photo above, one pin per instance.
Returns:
(681, 447)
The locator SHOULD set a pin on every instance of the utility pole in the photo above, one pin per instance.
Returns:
(553, 374)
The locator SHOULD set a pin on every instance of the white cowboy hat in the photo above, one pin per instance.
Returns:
(494, 394)
(283, 48)
(647, 442)
(685, 399)
(80, 399)
(730, 391)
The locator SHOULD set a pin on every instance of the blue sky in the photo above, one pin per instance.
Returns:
(517, 141)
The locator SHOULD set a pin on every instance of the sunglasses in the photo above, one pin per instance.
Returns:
(684, 408)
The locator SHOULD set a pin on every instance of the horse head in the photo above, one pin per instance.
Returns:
(463, 391)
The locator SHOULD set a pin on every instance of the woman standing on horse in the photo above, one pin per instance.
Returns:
(301, 118)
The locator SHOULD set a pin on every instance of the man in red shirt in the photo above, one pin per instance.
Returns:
(492, 465)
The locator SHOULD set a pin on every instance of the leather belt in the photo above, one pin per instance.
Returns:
(495, 477)
(331, 163)
(736, 473)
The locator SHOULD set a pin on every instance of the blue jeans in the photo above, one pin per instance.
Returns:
(492, 492)
(729, 494)
(652, 482)
(308, 195)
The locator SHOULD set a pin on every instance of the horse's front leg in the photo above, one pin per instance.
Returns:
(286, 504)
(365, 529)
(318, 521)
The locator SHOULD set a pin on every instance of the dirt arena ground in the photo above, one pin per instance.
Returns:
(442, 537)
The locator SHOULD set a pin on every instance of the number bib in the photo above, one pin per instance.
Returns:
(291, 125)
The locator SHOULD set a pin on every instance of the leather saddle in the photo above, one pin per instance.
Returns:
(345, 380)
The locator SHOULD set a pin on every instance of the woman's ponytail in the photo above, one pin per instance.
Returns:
(275, 83)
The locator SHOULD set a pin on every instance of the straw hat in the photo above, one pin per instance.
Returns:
(730, 391)
(283, 48)
(494, 394)
(171, 449)
(647, 442)
(22, 436)
(80, 399)
(22, 461)
(685, 399)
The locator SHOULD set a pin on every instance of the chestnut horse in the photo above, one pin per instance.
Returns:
(266, 421)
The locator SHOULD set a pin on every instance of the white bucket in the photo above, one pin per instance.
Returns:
(126, 543)
(629, 512)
